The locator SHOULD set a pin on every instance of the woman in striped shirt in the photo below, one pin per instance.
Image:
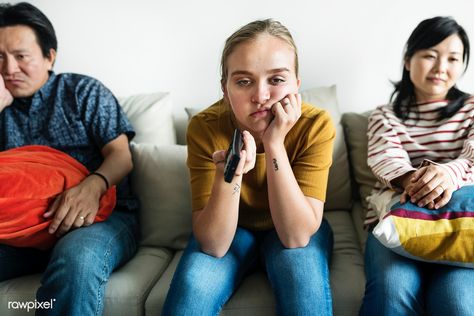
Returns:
(422, 144)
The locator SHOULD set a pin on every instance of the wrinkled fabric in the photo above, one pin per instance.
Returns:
(31, 177)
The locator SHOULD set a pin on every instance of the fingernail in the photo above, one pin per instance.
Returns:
(420, 204)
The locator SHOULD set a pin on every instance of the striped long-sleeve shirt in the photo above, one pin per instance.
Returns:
(396, 147)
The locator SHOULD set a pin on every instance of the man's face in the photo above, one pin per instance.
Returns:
(22, 64)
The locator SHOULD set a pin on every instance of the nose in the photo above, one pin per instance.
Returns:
(261, 94)
(441, 65)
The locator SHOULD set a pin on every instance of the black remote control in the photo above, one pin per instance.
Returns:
(233, 156)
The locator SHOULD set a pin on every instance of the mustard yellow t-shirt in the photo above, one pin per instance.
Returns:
(308, 145)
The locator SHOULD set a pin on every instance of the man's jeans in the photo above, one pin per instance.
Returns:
(398, 285)
(79, 265)
(202, 284)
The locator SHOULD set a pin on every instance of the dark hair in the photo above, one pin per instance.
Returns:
(427, 34)
(24, 13)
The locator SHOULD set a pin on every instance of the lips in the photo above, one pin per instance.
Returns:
(261, 112)
(436, 80)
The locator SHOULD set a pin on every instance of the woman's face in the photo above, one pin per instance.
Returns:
(435, 70)
(261, 72)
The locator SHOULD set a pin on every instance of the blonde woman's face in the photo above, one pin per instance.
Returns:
(435, 70)
(261, 72)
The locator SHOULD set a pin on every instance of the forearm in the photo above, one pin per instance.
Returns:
(293, 216)
(116, 165)
(215, 225)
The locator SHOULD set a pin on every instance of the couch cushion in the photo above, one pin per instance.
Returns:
(338, 194)
(126, 291)
(254, 296)
(161, 181)
(355, 131)
(151, 116)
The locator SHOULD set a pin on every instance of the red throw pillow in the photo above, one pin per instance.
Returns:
(30, 179)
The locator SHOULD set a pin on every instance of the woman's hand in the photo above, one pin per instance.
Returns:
(430, 187)
(286, 113)
(248, 156)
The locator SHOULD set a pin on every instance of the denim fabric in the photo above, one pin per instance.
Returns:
(72, 113)
(202, 284)
(398, 285)
(79, 265)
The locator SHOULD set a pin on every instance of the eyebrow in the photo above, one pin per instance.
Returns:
(436, 51)
(271, 71)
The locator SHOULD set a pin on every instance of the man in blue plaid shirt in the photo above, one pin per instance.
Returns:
(79, 116)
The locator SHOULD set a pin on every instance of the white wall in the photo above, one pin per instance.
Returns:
(146, 45)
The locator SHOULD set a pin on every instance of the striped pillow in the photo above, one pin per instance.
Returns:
(443, 236)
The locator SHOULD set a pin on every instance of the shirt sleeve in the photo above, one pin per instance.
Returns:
(201, 166)
(460, 169)
(104, 117)
(386, 156)
(311, 165)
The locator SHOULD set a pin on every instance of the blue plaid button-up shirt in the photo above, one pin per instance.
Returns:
(73, 113)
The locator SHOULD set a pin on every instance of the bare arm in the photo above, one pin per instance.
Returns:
(295, 216)
(78, 205)
(214, 226)
(289, 208)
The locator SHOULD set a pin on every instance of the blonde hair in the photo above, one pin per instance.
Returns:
(251, 31)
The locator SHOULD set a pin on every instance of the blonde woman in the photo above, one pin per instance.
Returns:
(271, 213)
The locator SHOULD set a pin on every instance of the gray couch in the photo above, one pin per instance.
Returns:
(160, 179)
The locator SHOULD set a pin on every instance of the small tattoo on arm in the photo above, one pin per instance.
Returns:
(275, 164)
(236, 188)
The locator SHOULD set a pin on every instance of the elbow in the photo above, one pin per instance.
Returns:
(130, 165)
(214, 252)
(296, 242)
(299, 240)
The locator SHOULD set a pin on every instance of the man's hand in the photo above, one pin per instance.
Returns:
(76, 207)
(6, 97)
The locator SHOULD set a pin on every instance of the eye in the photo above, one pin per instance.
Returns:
(454, 59)
(243, 82)
(429, 56)
(277, 80)
(20, 56)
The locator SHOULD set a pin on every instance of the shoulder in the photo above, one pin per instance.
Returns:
(211, 116)
(81, 84)
(383, 112)
(214, 121)
(470, 101)
(312, 122)
(313, 113)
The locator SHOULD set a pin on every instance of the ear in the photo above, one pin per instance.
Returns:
(51, 58)
(298, 83)
(407, 64)
(224, 90)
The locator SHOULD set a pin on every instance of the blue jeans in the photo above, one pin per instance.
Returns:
(202, 284)
(79, 265)
(398, 285)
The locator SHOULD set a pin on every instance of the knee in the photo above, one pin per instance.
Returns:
(77, 260)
